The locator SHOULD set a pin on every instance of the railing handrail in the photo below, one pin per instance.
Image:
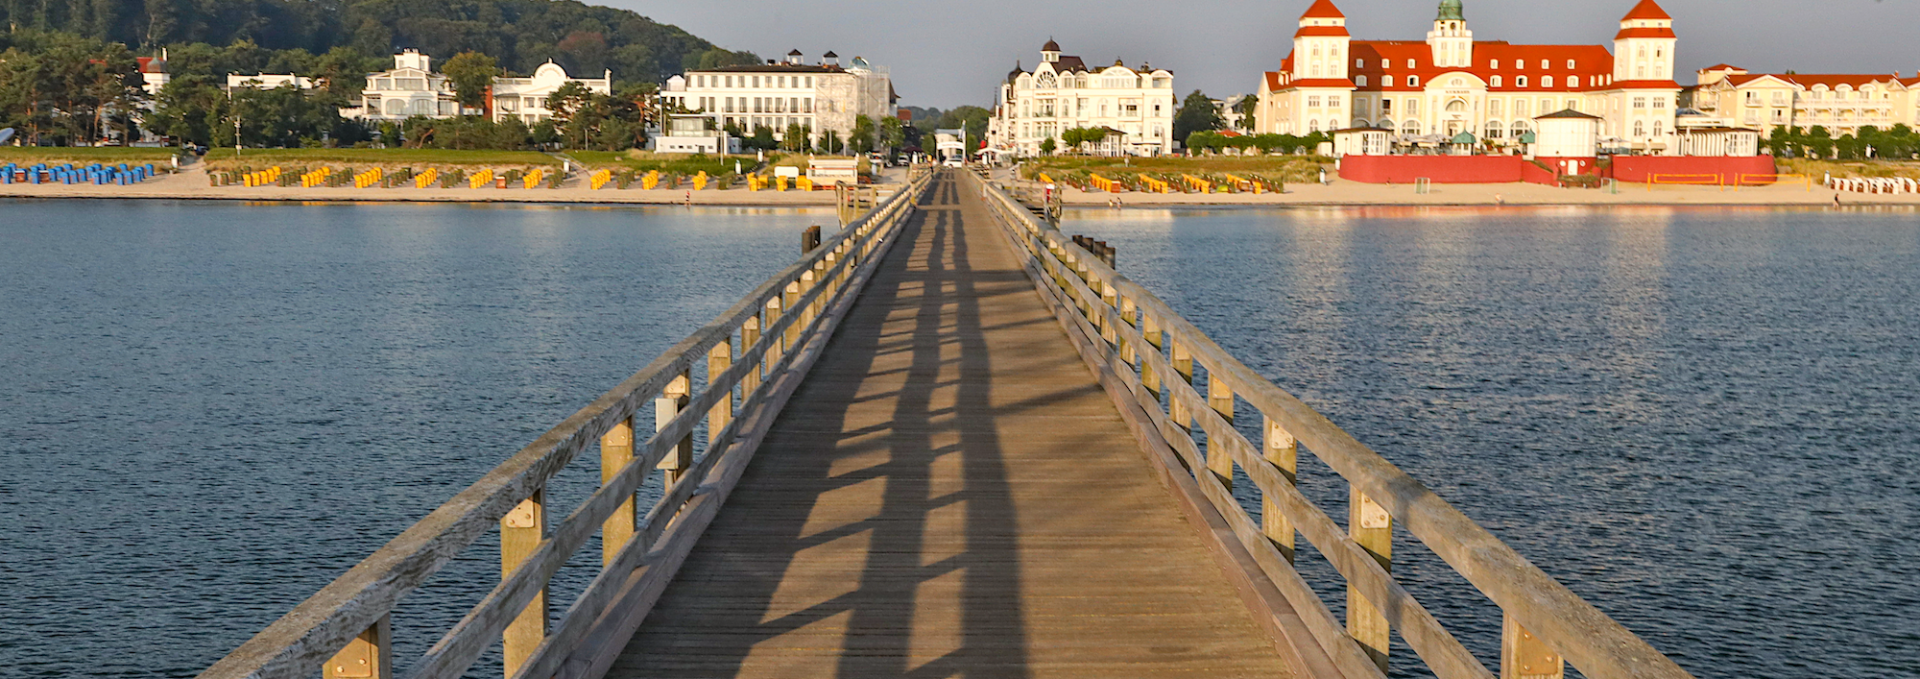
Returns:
(1592, 641)
(299, 641)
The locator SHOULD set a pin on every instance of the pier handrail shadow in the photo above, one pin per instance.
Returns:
(1147, 354)
(779, 329)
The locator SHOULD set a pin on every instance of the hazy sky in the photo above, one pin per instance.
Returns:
(947, 54)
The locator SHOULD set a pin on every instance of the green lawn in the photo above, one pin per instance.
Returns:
(665, 162)
(81, 155)
(370, 157)
(1285, 168)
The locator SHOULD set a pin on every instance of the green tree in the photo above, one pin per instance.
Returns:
(893, 133)
(471, 74)
(830, 143)
(762, 139)
(1047, 146)
(861, 140)
(795, 139)
(1247, 107)
(1819, 142)
(1196, 114)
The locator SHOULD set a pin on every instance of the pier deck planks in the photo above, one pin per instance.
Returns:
(950, 494)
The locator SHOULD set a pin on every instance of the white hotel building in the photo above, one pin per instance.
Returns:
(412, 88)
(1451, 84)
(1135, 106)
(774, 95)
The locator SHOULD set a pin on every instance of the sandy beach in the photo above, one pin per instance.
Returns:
(191, 184)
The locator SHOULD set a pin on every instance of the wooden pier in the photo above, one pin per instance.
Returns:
(947, 442)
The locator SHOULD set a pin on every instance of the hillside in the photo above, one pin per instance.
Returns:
(521, 34)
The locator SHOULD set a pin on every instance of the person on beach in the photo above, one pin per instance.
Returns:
(689, 198)
(1499, 200)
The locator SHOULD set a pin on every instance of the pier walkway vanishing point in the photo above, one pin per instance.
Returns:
(947, 442)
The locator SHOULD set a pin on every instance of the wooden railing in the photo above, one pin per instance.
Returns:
(779, 330)
(1177, 387)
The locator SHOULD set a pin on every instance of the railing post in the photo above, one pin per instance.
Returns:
(1110, 296)
(790, 300)
(1219, 458)
(749, 336)
(1283, 452)
(1525, 656)
(616, 451)
(672, 400)
(719, 359)
(1182, 360)
(1372, 527)
(368, 656)
(521, 530)
(1150, 327)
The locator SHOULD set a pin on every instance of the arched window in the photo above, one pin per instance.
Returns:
(1494, 130)
(1360, 80)
(1520, 81)
(423, 106)
(1313, 126)
(1657, 128)
(1573, 81)
(1413, 81)
(1411, 127)
(1519, 128)
(1359, 123)
(1386, 124)
(1456, 106)
(1386, 81)
(1496, 81)
(1546, 81)
(1639, 128)
(396, 107)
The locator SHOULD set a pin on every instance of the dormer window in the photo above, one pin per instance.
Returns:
(1569, 64)
(1495, 64)
(1410, 63)
(1546, 81)
(1520, 81)
(1496, 81)
(1413, 81)
(1359, 63)
(1544, 65)
(1386, 81)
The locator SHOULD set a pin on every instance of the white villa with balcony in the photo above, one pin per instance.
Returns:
(1136, 106)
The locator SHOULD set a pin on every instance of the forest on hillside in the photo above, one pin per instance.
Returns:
(520, 34)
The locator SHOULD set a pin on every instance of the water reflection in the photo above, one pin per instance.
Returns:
(1701, 419)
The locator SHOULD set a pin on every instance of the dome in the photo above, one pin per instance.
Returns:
(1451, 10)
(1051, 46)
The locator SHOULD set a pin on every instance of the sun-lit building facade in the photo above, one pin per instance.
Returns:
(1452, 84)
(1839, 102)
(1134, 105)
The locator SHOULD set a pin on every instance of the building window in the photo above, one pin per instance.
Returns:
(1659, 104)
(1520, 81)
(1386, 107)
(1546, 81)
(1410, 63)
(1496, 81)
(1386, 81)
(1413, 81)
(1333, 102)
(1639, 128)
(1495, 64)
(1569, 64)
(1639, 102)
(1493, 129)
(1313, 102)
(1359, 63)
(1361, 81)
(1493, 107)
(1544, 65)
(1412, 109)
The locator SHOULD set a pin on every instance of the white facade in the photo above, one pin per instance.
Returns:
(268, 81)
(1842, 103)
(1449, 84)
(819, 97)
(1136, 106)
(412, 88)
(527, 97)
(1567, 134)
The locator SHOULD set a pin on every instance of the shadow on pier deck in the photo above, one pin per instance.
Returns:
(950, 493)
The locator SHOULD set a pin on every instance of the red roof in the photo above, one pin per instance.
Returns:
(1323, 9)
(1381, 58)
(1645, 32)
(1832, 81)
(1318, 31)
(1643, 85)
(151, 65)
(1647, 9)
(1723, 67)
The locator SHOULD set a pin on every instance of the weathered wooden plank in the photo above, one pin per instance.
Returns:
(1599, 646)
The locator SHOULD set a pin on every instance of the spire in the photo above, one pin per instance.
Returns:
(1647, 9)
(1323, 9)
(1450, 10)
